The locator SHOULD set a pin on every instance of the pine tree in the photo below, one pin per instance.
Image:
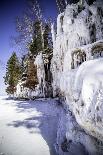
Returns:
(13, 74)
(42, 40)
(48, 45)
(37, 44)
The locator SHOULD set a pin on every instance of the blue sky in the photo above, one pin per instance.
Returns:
(9, 9)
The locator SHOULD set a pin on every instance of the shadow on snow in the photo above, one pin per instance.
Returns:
(45, 122)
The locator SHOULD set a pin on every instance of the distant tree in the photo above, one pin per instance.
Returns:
(13, 74)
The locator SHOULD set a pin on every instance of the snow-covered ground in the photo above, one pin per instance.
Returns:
(28, 127)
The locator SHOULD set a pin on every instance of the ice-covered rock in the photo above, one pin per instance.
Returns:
(89, 90)
(72, 138)
(78, 77)
(77, 27)
(83, 90)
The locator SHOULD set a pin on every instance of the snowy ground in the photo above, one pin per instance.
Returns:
(28, 127)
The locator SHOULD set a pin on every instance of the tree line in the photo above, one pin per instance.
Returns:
(35, 33)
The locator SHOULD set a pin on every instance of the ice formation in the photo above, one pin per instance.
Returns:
(77, 28)
(21, 92)
(83, 90)
(89, 88)
(78, 75)
(40, 74)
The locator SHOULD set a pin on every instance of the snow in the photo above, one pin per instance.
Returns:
(40, 127)
(27, 127)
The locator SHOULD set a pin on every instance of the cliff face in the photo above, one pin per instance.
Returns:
(77, 76)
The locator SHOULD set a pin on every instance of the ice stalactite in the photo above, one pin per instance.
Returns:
(53, 33)
(40, 74)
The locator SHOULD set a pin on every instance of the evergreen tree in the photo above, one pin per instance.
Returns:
(42, 40)
(13, 74)
(47, 39)
(37, 44)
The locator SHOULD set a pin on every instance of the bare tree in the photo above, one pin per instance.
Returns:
(25, 25)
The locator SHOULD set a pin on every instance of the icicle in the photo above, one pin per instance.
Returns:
(66, 2)
(40, 73)
(53, 34)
